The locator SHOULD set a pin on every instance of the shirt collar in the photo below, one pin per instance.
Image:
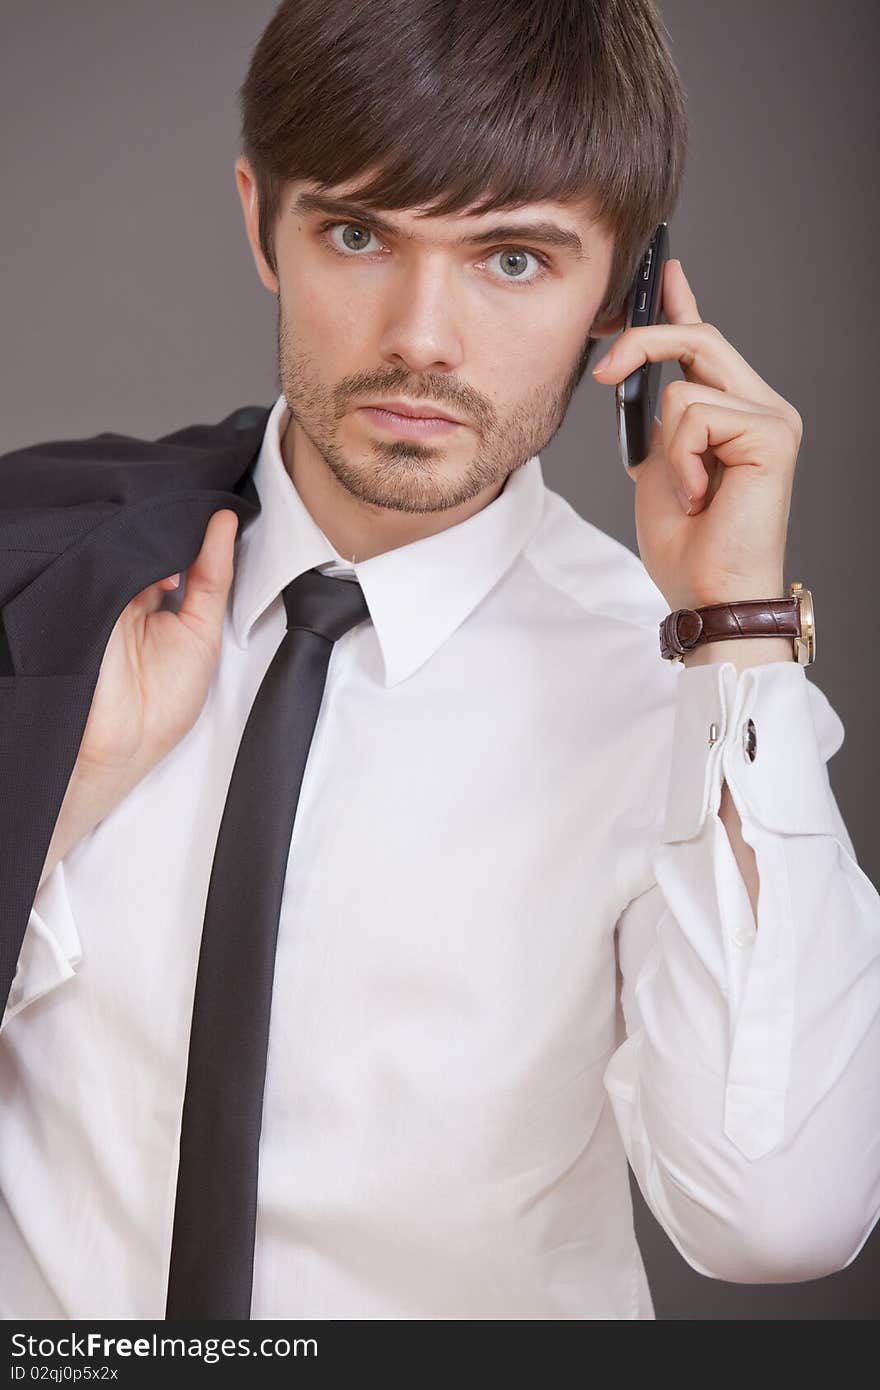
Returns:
(417, 594)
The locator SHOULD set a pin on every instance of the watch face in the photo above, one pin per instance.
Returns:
(805, 645)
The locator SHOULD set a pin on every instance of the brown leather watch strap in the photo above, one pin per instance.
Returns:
(682, 630)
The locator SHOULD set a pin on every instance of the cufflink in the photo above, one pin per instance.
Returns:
(750, 740)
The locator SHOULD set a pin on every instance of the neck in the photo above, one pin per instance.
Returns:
(358, 530)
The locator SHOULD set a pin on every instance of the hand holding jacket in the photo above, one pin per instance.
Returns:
(158, 664)
(152, 686)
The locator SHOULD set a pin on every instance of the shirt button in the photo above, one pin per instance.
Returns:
(750, 740)
(742, 936)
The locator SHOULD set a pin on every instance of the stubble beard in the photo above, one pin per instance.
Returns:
(406, 475)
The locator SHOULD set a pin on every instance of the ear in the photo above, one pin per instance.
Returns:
(606, 328)
(247, 192)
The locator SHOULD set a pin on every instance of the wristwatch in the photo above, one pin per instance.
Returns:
(793, 617)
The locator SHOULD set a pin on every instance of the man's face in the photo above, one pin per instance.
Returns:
(494, 332)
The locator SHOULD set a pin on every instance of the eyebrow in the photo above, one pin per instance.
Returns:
(548, 232)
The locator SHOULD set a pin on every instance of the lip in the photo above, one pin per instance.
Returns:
(415, 411)
(408, 426)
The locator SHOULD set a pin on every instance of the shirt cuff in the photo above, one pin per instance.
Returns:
(50, 948)
(784, 786)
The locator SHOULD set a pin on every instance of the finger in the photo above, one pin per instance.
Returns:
(677, 397)
(209, 576)
(679, 304)
(737, 438)
(699, 359)
(703, 353)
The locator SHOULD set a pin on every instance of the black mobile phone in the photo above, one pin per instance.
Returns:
(636, 395)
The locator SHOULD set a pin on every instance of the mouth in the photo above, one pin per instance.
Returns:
(414, 410)
(409, 426)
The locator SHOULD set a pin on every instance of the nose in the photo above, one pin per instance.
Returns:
(421, 328)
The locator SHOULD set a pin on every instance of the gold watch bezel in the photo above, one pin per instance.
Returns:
(805, 645)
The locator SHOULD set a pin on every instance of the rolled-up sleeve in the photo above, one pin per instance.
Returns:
(50, 949)
(747, 1091)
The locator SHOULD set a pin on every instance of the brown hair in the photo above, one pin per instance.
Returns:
(450, 101)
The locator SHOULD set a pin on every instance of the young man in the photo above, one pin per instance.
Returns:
(552, 902)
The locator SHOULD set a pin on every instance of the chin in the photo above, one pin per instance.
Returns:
(404, 485)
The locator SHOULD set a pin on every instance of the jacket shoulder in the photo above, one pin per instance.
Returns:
(117, 469)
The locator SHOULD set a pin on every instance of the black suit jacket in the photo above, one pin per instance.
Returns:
(85, 525)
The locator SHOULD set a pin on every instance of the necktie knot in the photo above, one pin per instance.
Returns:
(324, 604)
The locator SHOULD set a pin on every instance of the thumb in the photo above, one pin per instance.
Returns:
(210, 575)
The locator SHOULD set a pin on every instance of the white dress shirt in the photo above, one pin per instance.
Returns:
(515, 951)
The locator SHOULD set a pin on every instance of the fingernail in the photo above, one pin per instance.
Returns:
(600, 366)
(683, 497)
(175, 580)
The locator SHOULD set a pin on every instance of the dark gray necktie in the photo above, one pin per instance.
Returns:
(212, 1248)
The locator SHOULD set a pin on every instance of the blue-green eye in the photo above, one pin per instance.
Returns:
(358, 235)
(512, 255)
(355, 237)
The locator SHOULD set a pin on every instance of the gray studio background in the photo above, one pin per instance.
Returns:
(130, 303)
